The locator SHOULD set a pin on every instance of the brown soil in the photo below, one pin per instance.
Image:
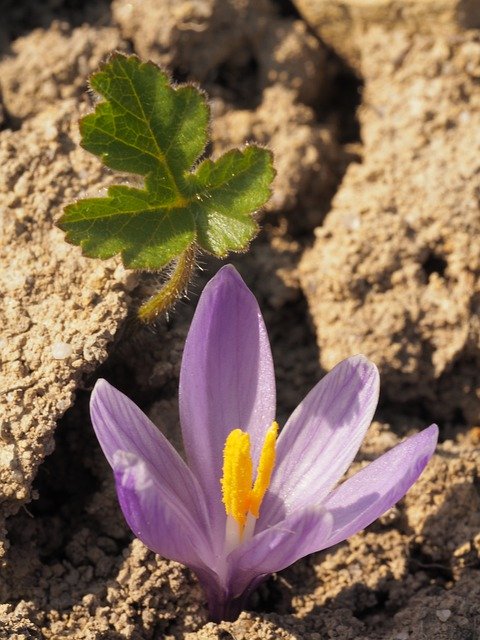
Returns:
(394, 272)
(395, 269)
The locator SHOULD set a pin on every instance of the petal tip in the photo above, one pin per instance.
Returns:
(226, 283)
(365, 370)
(227, 274)
(100, 390)
(431, 434)
(100, 386)
(228, 269)
(359, 360)
(370, 371)
(433, 428)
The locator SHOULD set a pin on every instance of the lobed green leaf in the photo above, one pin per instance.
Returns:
(147, 127)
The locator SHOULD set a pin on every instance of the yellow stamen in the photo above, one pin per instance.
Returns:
(239, 497)
(264, 471)
(237, 475)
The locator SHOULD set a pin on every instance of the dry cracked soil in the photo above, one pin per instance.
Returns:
(369, 244)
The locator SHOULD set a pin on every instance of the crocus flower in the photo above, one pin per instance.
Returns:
(246, 504)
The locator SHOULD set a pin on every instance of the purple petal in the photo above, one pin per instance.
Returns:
(369, 493)
(159, 520)
(226, 381)
(321, 438)
(301, 533)
(121, 427)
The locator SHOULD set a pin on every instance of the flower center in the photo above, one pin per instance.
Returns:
(241, 496)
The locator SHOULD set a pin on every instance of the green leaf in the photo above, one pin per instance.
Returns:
(146, 126)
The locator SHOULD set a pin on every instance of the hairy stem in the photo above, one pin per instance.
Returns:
(173, 288)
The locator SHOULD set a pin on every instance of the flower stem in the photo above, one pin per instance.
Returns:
(222, 606)
(225, 610)
(172, 289)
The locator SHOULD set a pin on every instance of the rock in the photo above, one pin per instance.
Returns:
(443, 614)
(61, 350)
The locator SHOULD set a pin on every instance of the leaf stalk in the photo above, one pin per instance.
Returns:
(173, 288)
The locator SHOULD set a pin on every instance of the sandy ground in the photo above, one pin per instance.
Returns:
(369, 245)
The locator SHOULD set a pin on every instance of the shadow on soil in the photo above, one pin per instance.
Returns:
(19, 18)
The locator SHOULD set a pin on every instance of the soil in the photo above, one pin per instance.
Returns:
(368, 244)
(394, 272)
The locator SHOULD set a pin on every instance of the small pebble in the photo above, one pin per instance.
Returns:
(63, 405)
(7, 455)
(403, 635)
(443, 614)
(61, 350)
(50, 132)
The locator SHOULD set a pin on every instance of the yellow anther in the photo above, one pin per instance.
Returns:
(237, 475)
(264, 471)
(239, 497)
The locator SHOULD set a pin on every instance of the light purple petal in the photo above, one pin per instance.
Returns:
(369, 493)
(226, 381)
(321, 438)
(121, 426)
(158, 520)
(301, 533)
